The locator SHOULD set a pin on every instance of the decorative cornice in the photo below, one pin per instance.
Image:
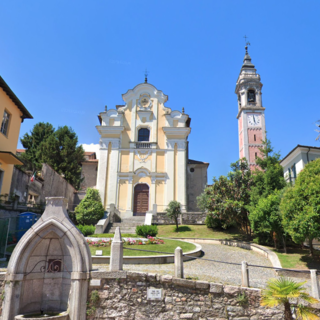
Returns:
(176, 132)
(104, 143)
(250, 108)
(105, 130)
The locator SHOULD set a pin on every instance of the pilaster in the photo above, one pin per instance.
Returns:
(102, 173)
(113, 172)
(170, 171)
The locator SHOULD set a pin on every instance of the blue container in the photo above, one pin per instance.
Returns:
(25, 221)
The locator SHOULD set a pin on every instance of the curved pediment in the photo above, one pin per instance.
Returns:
(145, 88)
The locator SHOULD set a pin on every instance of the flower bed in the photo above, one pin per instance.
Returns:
(126, 241)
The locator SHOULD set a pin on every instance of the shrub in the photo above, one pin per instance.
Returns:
(90, 210)
(86, 230)
(212, 221)
(145, 231)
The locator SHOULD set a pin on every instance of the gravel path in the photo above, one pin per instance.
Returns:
(212, 271)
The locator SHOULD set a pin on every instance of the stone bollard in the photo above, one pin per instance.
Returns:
(244, 274)
(314, 284)
(178, 263)
(116, 254)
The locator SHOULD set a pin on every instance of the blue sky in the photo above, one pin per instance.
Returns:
(66, 60)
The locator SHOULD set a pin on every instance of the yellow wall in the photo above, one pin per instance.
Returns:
(9, 142)
(125, 156)
(126, 134)
(161, 124)
(160, 161)
(160, 193)
(123, 194)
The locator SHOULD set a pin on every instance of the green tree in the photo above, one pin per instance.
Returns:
(266, 219)
(173, 212)
(90, 210)
(61, 152)
(229, 196)
(58, 148)
(269, 176)
(281, 291)
(32, 142)
(300, 206)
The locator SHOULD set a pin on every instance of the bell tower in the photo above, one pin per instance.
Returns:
(251, 119)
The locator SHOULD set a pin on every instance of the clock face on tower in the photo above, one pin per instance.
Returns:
(254, 120)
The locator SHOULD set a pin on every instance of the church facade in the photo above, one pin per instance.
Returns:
(251, 117)
(143, 155)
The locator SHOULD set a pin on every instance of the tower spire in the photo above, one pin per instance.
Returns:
(146, 76)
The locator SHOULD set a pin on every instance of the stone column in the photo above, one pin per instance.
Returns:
(116, 255)
(244, 274)
(113, 172)
(314, 284)
(102, 170)
(178, 263)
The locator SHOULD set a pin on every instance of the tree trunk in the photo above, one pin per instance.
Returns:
(177, 226)
(287, 311)
(284, 243)
(311, 247)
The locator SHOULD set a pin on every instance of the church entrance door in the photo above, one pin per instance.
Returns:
(141, 199)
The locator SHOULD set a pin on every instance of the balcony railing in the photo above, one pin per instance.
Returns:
(143, 145)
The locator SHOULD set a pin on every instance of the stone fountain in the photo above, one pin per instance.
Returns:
(49, 270)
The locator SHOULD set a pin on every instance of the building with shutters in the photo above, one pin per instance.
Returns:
(12, 114)
(143, 155)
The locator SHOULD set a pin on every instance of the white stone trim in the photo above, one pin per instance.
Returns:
(144, 155)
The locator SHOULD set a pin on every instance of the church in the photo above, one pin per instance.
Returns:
(143, 159)
(143, 155)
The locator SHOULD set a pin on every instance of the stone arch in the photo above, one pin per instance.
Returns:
(52, 260)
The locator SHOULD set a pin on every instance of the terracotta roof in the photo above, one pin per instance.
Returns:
(88, 153)
(15, 100)
(21, 150)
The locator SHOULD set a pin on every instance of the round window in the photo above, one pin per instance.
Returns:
(191, 169)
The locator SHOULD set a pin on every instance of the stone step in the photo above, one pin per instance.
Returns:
(123, 230)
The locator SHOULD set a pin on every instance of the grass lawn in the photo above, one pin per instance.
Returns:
(111, 235)
(299, 259)
(199, 231)
(169, 246)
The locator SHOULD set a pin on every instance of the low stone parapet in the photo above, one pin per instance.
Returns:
(192, 218)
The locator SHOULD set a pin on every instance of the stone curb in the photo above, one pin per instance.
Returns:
(158, 259)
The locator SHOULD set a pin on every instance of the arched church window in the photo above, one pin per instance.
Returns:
(251, 96)
(143, 134)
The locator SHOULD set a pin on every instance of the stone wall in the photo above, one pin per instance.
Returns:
(51, 184)
(187, 218)
(89, 174)
(123, 295)
(22, 186)
(2, 283)
(196, 182)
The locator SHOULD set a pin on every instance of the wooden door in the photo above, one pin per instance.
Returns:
(141, 199)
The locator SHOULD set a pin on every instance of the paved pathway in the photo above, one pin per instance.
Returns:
(212, 271)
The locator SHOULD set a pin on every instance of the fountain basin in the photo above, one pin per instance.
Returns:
(49, 316)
